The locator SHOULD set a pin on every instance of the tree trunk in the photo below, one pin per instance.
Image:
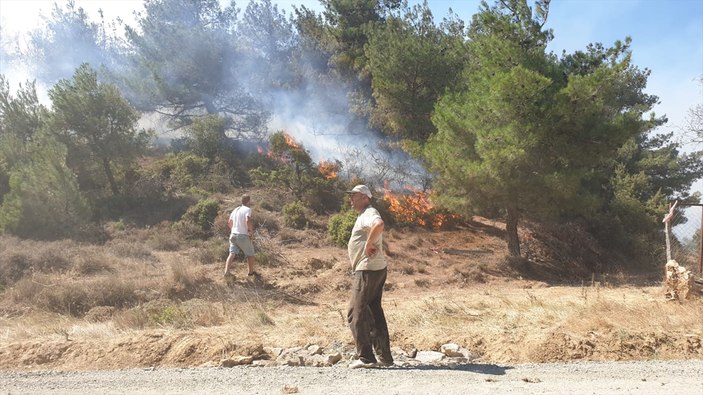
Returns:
(511, 230)
(110, 177)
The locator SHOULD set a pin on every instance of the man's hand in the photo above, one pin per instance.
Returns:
(370, 250)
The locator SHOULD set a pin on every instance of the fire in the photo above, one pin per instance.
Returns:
(328, 169)
(290, 141)
(281, 149)
(416, 208)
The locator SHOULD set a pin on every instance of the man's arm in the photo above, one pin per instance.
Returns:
(250, 225)
(374, 234)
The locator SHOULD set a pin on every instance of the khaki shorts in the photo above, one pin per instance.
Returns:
(243, 242)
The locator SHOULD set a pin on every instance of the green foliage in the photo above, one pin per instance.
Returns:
(180, 171)
(208, 136)
(695, 121)
(208, 140)
(43, 201)
(21, 116)
(173, 316)
(198, 221)
(340, 227)
(267, 37)
(412, 61)
(525, 133)
(693, 243)
(349, 24)
(184, 172)
(99, 128)
(294, 215)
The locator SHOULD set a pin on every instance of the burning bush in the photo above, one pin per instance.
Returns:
(416, 208)
(289, 166)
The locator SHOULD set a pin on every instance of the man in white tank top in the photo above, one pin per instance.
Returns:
(242, 227)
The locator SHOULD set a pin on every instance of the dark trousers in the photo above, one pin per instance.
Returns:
(365, 316)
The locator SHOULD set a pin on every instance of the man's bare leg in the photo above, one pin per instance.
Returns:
(228, 262)
(250, 264)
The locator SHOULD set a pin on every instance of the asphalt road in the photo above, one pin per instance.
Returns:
(640, 377)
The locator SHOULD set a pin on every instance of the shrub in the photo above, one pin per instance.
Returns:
(70, 299)
(13, 267)
(26, 290)
(198, 221)
(189, 231)
(94, 263)
(294, 215)
(181, 171)
(264, 258)
(173, 316)
(126, 249)
(21, 258)
(266, 220)
(340, 227)
(266, 206)
(184, 282)
(76, 299)
(203, 213)
(220, 228)
(211, 251)
(112, 291)
(165, 239)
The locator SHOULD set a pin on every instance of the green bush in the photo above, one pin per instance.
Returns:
(44, 200)
(198, 221)
(340, 227)
(294, 215)
(179, 171)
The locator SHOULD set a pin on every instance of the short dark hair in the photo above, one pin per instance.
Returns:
(246, 199)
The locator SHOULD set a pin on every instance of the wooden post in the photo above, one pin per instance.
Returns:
(667, 228)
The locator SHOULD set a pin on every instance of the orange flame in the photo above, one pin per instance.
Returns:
(328, 169)
(289, 141)
(416, 208)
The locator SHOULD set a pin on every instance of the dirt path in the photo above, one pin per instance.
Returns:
(641, 377)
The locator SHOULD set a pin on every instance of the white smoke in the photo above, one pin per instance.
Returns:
(321, 120)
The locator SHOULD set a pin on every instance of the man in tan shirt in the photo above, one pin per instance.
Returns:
(365, 315)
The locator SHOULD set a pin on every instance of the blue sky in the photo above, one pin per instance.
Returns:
(667, 35)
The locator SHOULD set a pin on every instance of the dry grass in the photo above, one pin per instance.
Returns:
(496, 317)
(130, 292)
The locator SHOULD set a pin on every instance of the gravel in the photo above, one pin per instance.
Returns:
(639, 377)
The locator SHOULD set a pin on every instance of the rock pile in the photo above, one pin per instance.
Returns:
(681, 283)
(451, 355)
